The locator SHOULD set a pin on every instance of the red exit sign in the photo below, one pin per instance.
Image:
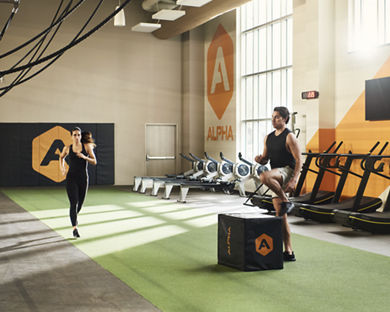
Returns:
(308, 95)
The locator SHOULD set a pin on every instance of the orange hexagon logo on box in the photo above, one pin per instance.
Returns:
(220, 71)
(46, 150)
(264, 244)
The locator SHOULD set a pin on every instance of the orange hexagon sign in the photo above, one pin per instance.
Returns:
(264, 244)
(220, 71)
(46, 149)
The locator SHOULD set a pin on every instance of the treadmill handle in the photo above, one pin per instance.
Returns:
(373, 159)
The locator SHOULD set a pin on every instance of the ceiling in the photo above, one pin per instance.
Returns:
(196, 16)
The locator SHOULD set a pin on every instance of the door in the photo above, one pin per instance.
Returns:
(160, 149)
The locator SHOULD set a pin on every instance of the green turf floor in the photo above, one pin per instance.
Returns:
(179, 272)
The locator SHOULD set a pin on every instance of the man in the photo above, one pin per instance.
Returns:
(282, 149)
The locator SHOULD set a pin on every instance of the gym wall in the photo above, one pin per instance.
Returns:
(114, 76)
(192, 111)
(322, 62)
(220, 131)
(31, 156)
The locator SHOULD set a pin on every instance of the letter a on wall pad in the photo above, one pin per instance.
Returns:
(220, 71)
(46, 149)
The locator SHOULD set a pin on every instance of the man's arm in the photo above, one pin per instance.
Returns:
(293, 146)
(263, 158)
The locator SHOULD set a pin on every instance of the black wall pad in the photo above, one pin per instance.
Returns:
(30, 153)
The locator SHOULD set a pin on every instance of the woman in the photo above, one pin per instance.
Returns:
(80, 154)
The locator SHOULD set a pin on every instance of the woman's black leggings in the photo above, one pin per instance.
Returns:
(76, 189)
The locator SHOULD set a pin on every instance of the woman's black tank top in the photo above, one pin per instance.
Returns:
(277, 151)
(77, 165)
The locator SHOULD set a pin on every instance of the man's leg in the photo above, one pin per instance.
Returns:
(276, 202)
(274, 180)
(286, 233)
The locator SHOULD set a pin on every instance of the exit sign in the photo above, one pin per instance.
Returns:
(309, 95)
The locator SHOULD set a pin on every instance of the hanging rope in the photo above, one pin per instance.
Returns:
(13, 12)
(36, 47)
(35, 60)
(43, 32)
(19, 81)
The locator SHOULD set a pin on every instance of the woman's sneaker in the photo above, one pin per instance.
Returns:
(288, 257)
(76, 233)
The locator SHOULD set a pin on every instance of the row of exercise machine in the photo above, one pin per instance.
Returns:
(206, 174)
(358, 211)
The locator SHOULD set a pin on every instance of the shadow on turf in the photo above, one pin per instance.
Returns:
(352, 233)
(214, 268)
(305, 222)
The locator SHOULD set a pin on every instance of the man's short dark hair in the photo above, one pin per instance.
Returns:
(283, 111)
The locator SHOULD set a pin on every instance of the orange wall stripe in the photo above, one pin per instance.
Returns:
(359, 136)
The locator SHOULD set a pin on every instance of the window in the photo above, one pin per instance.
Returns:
(368, 23)
(265, 54)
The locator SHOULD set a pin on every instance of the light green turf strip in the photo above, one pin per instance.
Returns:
(44, 198)
(180, 273)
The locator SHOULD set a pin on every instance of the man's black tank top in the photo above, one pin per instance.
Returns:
(277, 151)
(77, 165)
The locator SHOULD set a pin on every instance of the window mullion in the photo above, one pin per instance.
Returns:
(263, 88)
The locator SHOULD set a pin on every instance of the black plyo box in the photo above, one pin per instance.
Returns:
(250, 242)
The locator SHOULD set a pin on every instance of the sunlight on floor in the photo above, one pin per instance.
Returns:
(124, 241)
(149, 203)
(111, 228)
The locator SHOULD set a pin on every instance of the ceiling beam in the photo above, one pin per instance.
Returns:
(195, 17)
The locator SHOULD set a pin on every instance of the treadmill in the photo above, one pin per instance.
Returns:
(325, 213)
(374, 222)
(316, 196)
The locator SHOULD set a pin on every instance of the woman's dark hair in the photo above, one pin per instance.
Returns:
(86, 137)
(283, 111)
(75, 129)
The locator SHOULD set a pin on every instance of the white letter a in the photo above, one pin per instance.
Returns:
(220, 63)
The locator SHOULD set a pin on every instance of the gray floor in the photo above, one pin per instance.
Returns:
(41, 271)
(338, 234)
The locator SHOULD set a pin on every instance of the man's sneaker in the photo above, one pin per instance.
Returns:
(286, 207)
(288, 257)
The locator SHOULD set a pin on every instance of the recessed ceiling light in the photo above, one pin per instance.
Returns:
(146, 27)
(195, 3)
(168, 15)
